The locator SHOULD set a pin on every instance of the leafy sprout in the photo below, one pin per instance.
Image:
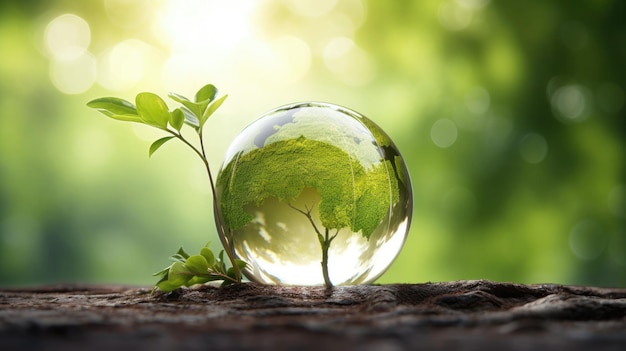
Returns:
(187, 270)
(150, 109)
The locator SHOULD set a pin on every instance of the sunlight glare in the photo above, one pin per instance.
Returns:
(125, 64)
(348, 62)
(205, 41)
(311, 8)
(206, 26)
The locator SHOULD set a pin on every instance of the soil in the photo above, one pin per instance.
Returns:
(463, 315)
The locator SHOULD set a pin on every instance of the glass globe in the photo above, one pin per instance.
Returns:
(314, 194)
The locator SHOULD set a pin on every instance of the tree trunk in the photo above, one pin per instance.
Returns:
(467, 315)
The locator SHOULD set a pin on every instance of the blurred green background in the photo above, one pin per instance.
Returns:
(509, 114)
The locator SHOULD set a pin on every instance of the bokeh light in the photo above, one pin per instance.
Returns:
(75, 75)
(587, 240)
(72, 67)
(533, 148)
(444, 133)
(572, 103)
(67, 37)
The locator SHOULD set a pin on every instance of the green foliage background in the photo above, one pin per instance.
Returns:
(510, 116)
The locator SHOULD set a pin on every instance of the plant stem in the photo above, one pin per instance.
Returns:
(325, 246)
(324, 240)
(220, 225)
(217, 213)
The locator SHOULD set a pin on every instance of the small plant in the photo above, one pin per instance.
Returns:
(197, 269)
(151, 110)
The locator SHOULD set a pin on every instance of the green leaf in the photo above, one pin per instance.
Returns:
(190, 119)
(197, 265)
(128, 118)
(168, 286)
(178, 258)
(163, 278)
(240, 263)
(182, 252)
(204, 96)
(198, 280)
(208, 255)
(220, 262)
(206, 93)
(227, 282)
(178, 98)
(231, 271)
(179, 274)
(162, 272)
(212, 108)
(177, 119)
(192, 106)
(157, 144)
(152, 110)
(113, 106)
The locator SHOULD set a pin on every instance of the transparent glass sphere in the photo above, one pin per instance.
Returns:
(313, 194)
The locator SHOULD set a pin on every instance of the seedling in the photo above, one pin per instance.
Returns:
(151, 110)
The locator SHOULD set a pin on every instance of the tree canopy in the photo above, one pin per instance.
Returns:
(351, 196)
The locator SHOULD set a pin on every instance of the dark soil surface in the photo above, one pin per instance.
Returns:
(464, 315)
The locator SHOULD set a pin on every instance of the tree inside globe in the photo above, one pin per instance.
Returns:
(314, 194)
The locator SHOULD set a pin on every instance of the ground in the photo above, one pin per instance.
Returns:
(465, 315)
